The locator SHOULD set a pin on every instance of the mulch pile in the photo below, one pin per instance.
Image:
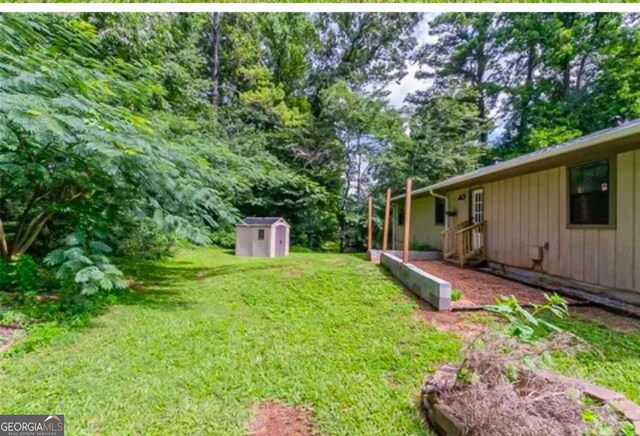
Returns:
(494, 392)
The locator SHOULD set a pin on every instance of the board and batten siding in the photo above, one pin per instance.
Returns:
(423, 224)
(531, 209)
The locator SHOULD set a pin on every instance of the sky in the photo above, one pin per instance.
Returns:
(409, 84)
(398, 91)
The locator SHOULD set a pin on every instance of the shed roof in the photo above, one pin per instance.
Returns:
(261, 221)
(538, 157)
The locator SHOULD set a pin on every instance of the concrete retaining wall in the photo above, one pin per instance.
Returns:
(374, 255)
(430, 288)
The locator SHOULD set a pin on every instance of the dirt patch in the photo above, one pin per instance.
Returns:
(460, 323)
(608, 319)
(295, 272)
(479, 288)
(277, 419)
(8, 336)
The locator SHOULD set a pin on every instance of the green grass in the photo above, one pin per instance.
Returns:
(208, 336)
(617, 365)
(211, 335)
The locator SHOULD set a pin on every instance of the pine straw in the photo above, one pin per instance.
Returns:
(498, 392)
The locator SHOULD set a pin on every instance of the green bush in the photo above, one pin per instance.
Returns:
(84, 267)
(300, 249)
(225, 238)
(529, 326)
(144, 240)
(420, 246)
(20, 275)
(456, 295)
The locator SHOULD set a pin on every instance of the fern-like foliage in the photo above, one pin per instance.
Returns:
(84, 263)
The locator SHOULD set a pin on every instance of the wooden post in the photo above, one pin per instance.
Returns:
(370, 229)
(407, 223)
(387, 210)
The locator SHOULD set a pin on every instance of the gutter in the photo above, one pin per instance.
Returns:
(577, 144)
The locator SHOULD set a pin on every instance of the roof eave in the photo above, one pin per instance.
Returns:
(588, 141)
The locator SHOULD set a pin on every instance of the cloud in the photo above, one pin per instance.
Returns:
(398, 91)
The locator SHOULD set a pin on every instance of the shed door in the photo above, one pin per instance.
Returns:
(281, 236)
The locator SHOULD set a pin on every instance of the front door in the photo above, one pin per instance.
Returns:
(281, 236)
(477, 206)
(477, 216)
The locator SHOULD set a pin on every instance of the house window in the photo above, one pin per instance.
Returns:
(401, 217)
(260, 234)
(439, 211)
(589, 187)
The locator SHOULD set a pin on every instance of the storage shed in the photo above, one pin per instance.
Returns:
(263, 237)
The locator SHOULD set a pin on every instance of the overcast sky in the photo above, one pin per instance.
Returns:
(409, 84)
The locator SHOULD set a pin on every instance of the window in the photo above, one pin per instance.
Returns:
(439, 211)
(260, 234)
(401, 217)
(589, 187)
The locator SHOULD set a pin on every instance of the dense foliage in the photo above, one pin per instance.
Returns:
(121, 132)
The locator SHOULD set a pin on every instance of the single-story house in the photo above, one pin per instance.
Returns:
(265, 237)
(570, 211)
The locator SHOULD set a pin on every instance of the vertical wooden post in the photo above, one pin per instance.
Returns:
(370, 229)
(407, 223)
(387, 210)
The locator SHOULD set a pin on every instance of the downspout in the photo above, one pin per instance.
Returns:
(446, 206)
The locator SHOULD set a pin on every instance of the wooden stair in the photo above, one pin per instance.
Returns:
(464, 244)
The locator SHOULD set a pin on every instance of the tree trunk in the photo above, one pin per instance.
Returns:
(4, 248)
(215, 59)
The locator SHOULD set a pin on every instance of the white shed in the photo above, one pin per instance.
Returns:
(265, 237)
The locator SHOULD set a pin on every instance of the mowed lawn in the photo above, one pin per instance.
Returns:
(207, 336)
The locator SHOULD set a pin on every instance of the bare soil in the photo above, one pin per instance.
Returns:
(479, 288)
(464, 324)
(277, 419)
(7, 337)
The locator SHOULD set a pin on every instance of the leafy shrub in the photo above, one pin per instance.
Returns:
(420, 246)
(456, 295)
(300, 249)
(530, 326)
(144, 240)
(225, 238)
(25, 274)
(19, 275)
(83, 265)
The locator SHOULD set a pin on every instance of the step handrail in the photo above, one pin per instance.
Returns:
(471, 241)
(448, 242)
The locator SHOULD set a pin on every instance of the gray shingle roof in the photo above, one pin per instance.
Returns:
(260, 221)
(593, 139)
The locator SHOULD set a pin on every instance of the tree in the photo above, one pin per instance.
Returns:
(464, 57)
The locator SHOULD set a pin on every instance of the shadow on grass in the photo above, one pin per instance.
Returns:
(162, 285)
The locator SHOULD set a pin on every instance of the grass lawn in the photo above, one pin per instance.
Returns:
(209, 335)
(212, 335)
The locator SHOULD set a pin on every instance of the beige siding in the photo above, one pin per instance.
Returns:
(423, 224)
(532, 210)
(624, 235)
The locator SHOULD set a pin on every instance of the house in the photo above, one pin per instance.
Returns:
(571, 211)
(265, 237)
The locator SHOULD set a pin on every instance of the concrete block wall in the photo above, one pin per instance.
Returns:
(430, 288)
